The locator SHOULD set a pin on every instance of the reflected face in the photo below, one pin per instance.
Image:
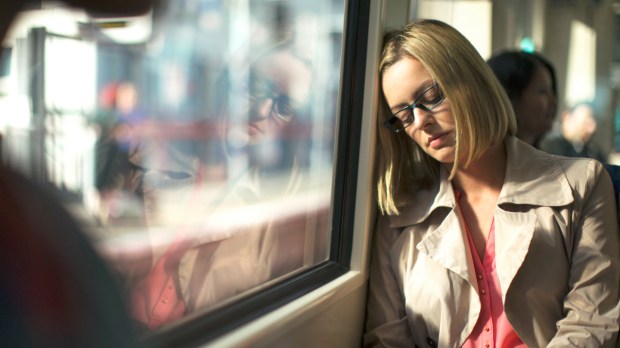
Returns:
(434, 131)
(536, 107)
(276, 90)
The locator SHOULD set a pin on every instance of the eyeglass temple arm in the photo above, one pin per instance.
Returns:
(389, 123)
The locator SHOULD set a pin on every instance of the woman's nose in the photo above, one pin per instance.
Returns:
(422, 118)
(263, 108)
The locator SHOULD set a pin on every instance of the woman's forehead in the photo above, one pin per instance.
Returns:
(406, 76)
(287, 72)
(282, 62)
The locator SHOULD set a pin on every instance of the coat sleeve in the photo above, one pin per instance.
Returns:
(386, 321)
(591, 306)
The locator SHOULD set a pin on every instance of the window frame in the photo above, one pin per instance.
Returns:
(213, 324)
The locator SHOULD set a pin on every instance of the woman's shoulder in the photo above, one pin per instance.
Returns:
(544, 163)
(583, 175)
(577, 169)
(540, 178)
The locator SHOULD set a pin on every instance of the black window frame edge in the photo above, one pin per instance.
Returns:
(211, 325)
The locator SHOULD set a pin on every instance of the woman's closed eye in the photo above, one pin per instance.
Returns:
(433, 96)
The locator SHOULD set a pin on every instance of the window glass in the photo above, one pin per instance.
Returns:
(195, 143)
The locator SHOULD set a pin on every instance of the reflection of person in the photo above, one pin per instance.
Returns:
(263, 128)
(118, 113)
(529, 81)
(54, 290)
(578, 126)
(474, 247)
(272, 98)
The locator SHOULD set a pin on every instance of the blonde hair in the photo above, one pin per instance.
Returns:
(482, 112)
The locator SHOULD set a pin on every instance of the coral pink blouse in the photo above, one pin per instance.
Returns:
(492, 328)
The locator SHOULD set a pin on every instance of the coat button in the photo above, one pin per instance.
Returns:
(430, 342)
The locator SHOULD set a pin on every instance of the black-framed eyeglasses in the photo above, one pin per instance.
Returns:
(260, 90)
(427, 101)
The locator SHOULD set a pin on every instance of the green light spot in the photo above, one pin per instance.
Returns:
(527, 45)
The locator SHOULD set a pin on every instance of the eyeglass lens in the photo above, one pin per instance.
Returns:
(260, 89)
(427, 100)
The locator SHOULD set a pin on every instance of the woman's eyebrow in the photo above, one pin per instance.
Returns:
(414, 95)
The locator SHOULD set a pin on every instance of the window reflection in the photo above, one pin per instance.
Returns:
(209, 176)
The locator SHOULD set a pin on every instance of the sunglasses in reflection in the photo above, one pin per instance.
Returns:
(260, 89)
(430, 98)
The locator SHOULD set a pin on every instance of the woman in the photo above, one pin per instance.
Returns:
(529, 81)
(483, 239)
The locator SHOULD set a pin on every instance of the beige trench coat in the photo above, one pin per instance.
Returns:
(557, 257)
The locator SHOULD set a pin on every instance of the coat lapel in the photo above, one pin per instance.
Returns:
(513, 234)
(447, 245)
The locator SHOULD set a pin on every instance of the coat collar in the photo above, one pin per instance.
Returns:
(533, 177)
(524, 184)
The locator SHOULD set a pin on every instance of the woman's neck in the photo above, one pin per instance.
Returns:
(484, 174)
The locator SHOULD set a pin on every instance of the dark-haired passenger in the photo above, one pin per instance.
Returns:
(530, 82)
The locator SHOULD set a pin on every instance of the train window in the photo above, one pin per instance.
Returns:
(202, 145)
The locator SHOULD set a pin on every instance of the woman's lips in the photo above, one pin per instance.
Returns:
(257, 126)
(253, 128)
(437, 141)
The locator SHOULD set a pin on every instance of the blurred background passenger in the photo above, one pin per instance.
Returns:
(578, 125)
(530, 82)
(54, 289)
